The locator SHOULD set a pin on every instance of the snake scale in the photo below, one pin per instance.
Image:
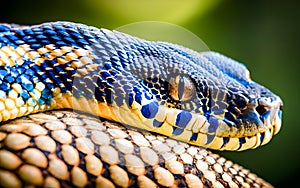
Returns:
(123, 88)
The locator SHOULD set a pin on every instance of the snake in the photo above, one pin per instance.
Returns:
(82, 106)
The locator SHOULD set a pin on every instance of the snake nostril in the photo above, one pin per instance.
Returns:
(281, 107)
(262, 109)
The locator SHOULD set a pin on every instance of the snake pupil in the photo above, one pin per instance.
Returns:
(181, 88)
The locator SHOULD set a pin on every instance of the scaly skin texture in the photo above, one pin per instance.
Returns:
(204, 99)
(63, 148)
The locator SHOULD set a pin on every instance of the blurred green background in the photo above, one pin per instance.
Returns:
(264, 35)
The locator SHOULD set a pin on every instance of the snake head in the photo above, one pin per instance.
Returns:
(211, 100)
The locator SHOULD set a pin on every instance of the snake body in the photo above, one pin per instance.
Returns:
(204, 99)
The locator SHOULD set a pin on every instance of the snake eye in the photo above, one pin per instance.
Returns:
(181, 88)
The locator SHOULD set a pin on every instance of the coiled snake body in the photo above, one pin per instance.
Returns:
(204, 99)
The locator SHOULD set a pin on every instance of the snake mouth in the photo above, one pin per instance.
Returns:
(254, 127)
(261, 115)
